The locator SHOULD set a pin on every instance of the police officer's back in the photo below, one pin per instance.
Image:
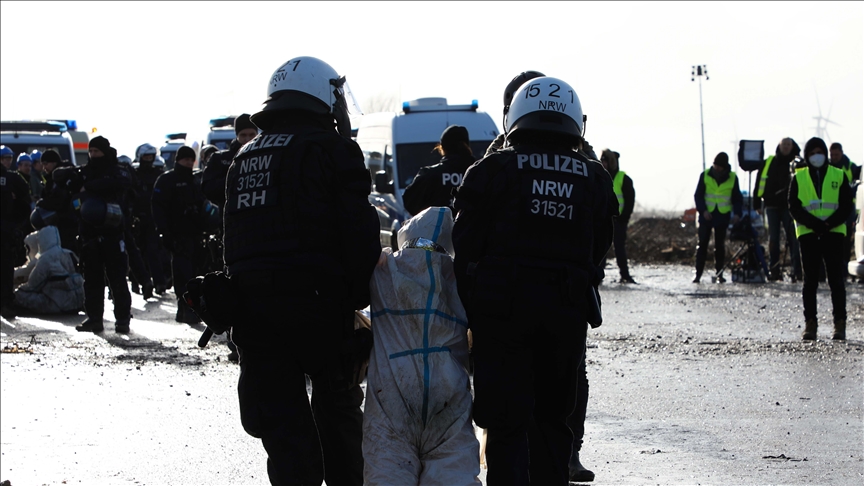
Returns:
(301, 241)
(534, 223)
(433, 185)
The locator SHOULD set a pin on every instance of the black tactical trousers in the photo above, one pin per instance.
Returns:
(576, 420)
(815, 250)
(719, 223)
(136, 261)
(148, 243)
(284, 333)
(182, 264)
(105, 257)
(620, 241)
(526, 355)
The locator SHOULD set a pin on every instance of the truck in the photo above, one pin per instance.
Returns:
(396, 145)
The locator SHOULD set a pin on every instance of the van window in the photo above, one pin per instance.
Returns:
(410, 157)
(63, 150)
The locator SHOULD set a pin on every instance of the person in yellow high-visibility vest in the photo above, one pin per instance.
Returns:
(719, 200)
(622, 184)
(772, 193)
(820, 199)
(853, 173)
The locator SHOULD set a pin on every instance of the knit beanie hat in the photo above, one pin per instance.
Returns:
(185, 152)
(723, 159)
(101, 143)
(243, 122)
(50, 156)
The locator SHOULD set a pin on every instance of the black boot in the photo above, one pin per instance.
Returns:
(578, 473)
(91, 325)
(147, 291)
(121, 327)
(810, 327)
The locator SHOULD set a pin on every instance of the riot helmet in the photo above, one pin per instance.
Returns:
(308, 84)
(548, 105)
(207, 151)
(146, 154)
(124, 159)
(514, 84)
(36, 156)
(95, 211)
(41, 217)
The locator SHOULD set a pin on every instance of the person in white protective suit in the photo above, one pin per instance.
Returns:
(54, 285)
(417, 421)
(22, 273)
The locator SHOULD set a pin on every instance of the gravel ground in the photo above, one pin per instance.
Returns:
(690, 384)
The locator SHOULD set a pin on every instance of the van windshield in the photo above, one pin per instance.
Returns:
(63, 150)
(410, 157)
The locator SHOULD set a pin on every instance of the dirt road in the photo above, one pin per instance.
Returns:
(690, 384)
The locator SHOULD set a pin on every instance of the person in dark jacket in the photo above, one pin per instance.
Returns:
(140, 277)
(718, 199)
(820, 200)
(146, 235)
(853, 173)
(622, 184)
(301, 242)
(213, 178)
(37, 175)
(103, 184)
(56, 197)
(772, 193)
(534, 224)
(177, 203)
(432, 186)
(15, 209)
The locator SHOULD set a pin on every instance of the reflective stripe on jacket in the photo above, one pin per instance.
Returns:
(813, 204)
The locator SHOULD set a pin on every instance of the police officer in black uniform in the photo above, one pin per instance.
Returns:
(213, 178)
(147, 237)
(140, 277)
(102, 185)
(534, 224)
(301, 241)
(176, 203)
(15, 207)
(432, 186)
(57, 198)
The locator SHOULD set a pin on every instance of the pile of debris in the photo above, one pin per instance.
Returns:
(661, 240)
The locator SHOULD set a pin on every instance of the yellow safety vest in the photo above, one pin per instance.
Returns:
(617, 182)
(847, 169)
(719, 195)
(824, 207)
(763, 180)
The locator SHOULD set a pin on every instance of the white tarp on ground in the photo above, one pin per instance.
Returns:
(417, 420)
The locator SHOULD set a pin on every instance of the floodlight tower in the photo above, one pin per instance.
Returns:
(698, 72)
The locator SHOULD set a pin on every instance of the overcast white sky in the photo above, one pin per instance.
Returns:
(138, 71)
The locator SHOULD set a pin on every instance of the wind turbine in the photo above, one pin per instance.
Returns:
(822, 131)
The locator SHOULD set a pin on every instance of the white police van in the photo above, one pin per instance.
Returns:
(29, 135)
(221, 132)
(396, 145)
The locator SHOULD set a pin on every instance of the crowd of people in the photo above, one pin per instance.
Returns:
(496, 274)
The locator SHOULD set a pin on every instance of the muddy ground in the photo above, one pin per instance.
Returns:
(690, 384)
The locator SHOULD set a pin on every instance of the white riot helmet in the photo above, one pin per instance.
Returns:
(309, 84)
(546, 104)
